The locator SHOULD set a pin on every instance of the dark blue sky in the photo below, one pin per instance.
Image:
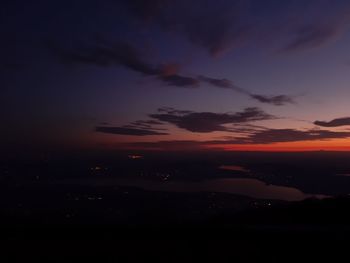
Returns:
(228, 74)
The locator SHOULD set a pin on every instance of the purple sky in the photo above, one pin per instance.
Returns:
(119, 73)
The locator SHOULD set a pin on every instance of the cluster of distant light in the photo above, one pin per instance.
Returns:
(135, 156)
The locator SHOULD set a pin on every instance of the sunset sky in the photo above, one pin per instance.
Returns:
(175, 75)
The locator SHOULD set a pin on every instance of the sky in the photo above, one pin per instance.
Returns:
(175, 75)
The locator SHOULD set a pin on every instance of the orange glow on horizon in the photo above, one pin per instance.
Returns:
(170, 144)
(331, 145)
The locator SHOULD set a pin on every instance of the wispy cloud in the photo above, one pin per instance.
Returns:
(180, 81)
(289, 135)
(215, 27)
(199, 122)
(278, 100)
(218, 26)
(127, 131)
(119, 53)
(314, 36)
(203, 122)
(221, 83)
(124, 54)
(334, 123)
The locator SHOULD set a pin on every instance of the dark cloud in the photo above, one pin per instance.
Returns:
(124, 54)
(314, 36)
(111, 54)
(218, 26)
(214, 27)
(180, 81)
(278, 100)
(289, 135)
(221, 83)
(170, 69)
(170, 110)
(147, 122)
(127, 131)
(334, 123)
(208, 121)
(136, 128)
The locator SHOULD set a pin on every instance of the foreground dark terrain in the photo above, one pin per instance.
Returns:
(64, 212)
(172, 227)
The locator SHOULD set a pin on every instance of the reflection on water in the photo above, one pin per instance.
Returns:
(241, 186)
(236, 168)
